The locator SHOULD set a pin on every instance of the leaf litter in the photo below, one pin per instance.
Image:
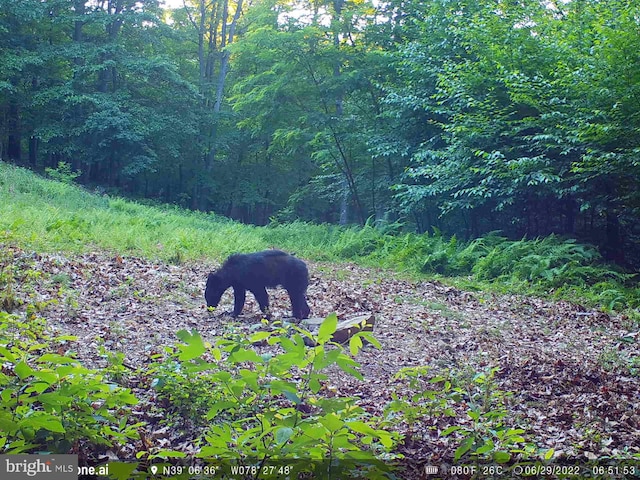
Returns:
(573, 371)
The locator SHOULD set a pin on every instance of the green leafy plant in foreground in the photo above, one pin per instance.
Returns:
(484, 433)
(488, 436)
(273, 406)
(48, 401)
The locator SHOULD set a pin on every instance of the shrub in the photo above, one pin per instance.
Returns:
(49, 401)
(484, 433)
(270, 405)
(63, 173)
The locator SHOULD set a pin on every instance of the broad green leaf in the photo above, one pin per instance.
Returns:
(348, 365)
(332, 422)
(548, 455)
(6, 353)
(283, 434)
(56, 359)
(324, 358)
(501, 457)
(23, 370)
(193, 346)
(487, 447)
(217, 354)
(259, 336)
(122, 470)
(450, 430)
(43, 421)
(355, 344)
(315, 385)
(361, 427)
(244, 355)
(46, 376)
(292, 397)
(327, 328)
(464, 447)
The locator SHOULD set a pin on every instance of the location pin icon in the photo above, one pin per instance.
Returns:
(153, 469)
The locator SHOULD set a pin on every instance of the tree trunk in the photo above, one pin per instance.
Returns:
(344, 205)
(613, 249)
(14, 139)
(33, 151)
(79, 7)
(214, 36)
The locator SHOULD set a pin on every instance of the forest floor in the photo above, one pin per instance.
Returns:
(574, 373)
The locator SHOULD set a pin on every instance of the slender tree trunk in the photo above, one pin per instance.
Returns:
(108, 75)
(214, 33)
(347, 170)
(614, 248)
(339, 111)
(14, 138)
(344, 204)
(33, 151)
(570, 216)
(79, 8)
(227, 39)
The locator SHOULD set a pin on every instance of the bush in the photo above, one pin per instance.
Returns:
(270, 405)
(471, 409)
(50, 402)
(63, 173)
(358, 242)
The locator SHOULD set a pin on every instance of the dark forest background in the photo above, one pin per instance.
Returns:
(467, 117)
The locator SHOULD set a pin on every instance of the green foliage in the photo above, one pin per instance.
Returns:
(467, 117)
(358, 242)
(16, 277)
(522, 108)
(272, 405)
(550, 260)
(554, 265)
(63, 173)
(49, 401)
(298, 101)
(489, 436)
(471, 410)
(424, 398)
(8, 299)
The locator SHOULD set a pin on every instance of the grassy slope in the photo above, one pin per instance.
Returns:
(50, 216)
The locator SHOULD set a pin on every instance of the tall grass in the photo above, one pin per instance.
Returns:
(47, 215)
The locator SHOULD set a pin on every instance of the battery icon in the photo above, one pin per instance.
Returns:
(431, 469)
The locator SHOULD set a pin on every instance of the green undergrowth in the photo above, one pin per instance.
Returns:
(552, 266)
(247, 408)
(440, 400)
(50, 402)
(255, 407)
(49, 215)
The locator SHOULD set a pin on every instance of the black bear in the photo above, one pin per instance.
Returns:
(255, 272)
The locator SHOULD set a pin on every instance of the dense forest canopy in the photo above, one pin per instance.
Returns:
(469, 117)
